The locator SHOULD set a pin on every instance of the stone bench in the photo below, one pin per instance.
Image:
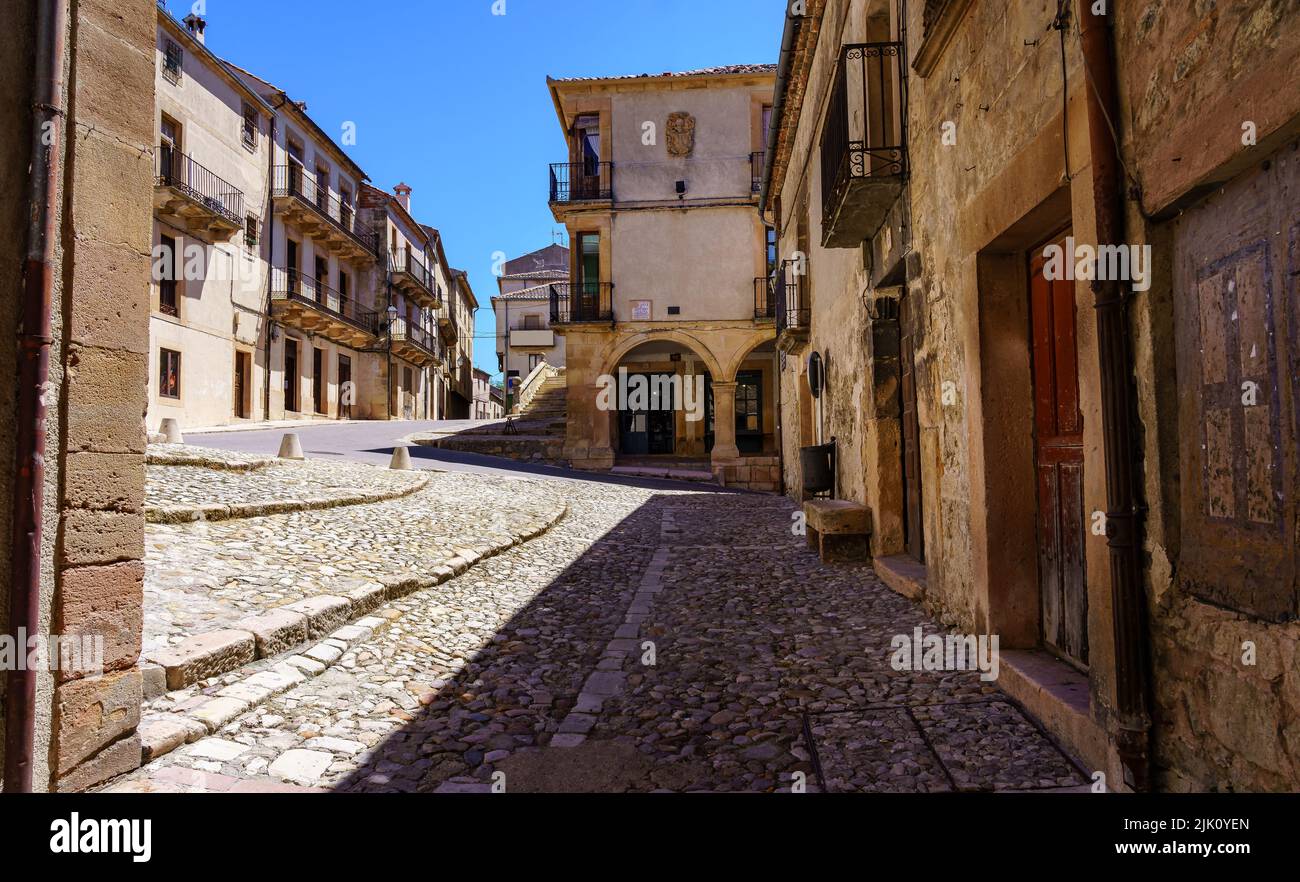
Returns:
(839, 530)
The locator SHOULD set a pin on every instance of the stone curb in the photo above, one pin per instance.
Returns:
(245, 464)
(317, 627)
(180, 514)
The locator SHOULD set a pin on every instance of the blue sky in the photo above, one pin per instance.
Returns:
(453, 100)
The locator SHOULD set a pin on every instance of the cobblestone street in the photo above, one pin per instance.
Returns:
(674, 640)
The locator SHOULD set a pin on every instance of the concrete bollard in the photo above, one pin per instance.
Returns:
(291, 447)
(171, 431)
(401, 459)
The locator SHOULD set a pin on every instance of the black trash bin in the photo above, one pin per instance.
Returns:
(818, 463)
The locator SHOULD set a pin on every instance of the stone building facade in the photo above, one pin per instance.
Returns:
(522, 311)
(414, 291)
(991, 407)
(277, 261)
(666, 251)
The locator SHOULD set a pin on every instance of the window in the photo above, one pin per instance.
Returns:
(345, 282)
(172, 61)
(168, 274)
(345, 205)
(586, 131)
(532, 322)
(249, 132)
(169, 373)
(771, 250)
(250, 231)
(767, 123)
(169, 151)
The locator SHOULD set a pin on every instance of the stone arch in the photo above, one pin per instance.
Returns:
(743, 352)
(694, 344)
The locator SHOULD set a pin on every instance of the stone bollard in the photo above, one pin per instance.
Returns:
(291, 447)
(401, 459)
(171, 431)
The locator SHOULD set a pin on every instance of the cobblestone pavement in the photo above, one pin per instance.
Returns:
(205, 576)
(529, 672)
(176, 493)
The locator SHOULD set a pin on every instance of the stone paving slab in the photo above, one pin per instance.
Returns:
(205, 457)
(202, 576)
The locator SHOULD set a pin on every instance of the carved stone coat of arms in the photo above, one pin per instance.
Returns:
(681, 134)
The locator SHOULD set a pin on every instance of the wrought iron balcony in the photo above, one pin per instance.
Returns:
(582, 302)
(322, 214)
(765, 297)
(757, 161)
(792, 311)
(199, 199)
(414, 342)
(304, 302)
(581, 182)
(413, 277)
(863, 151)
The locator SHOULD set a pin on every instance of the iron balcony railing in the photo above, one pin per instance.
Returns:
(757, 161)
(581, 181)
(416, 333)
(792, 313)
(404, 260)
(293, 180)
(863, 137)
(764, 297)
(582, 302)
(183, 174)
(296, 286)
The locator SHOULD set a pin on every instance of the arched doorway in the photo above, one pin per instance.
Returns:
(661, 398)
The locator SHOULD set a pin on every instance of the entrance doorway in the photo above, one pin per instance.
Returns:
(346, 392)
(913, 527)
(291, 375)
(1058, 463)
(651, 428)
(243, 370)
(749, 412)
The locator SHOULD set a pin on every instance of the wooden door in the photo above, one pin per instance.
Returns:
(913, 529)
(345, 388)
(241, 385)
(749, 412)
(1058, 460)
(291, 376)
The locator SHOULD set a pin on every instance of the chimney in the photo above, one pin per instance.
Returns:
(403, 196)
(196, 24)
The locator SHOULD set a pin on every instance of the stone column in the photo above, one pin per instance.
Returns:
(724, 422)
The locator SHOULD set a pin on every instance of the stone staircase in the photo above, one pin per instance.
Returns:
(540, 424)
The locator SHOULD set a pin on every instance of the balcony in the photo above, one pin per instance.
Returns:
(764, 298)
(413, 278)
(863, 152)
(321, 214)
(302, 302)
(757, 162)
(447, 326)
(793, 315)
(581, 182)
(189, 196)
(582, 303)
(414, 342)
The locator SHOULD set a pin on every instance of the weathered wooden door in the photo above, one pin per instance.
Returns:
(1058, 460)
(241, 385)
(913, 531)
(346, 394)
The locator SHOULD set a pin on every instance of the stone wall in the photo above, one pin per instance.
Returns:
(93, 539)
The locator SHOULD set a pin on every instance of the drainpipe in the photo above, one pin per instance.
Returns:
(784, 63)
(270, 258)
(1125, 511)
(34, 341)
